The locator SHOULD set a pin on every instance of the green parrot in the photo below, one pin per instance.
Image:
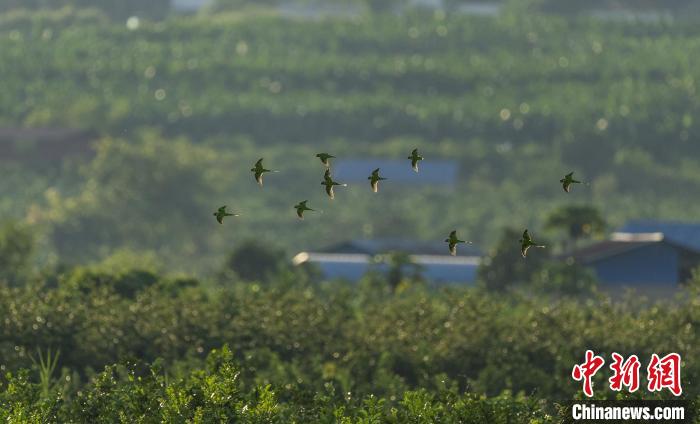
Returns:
(415, 158)
(567, 181)
(526, 243)
(259, 170)
(453, 241)
(221, 213)
(374, 180)
(301, 208)
(324, 159)
(329, 183)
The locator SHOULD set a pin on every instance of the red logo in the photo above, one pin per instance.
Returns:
(665, 373)
(587, 370)
(662, 373)
(624, 373)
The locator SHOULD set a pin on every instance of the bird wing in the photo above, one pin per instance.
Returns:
(375, 185)
(453, 234)
(414, 152)
(567, 187)
(259, 177)
(258, 164)
(329, 191)
(300, 213)
(524, 249)
(453, 249)
(220, 219)
(414, 164)
(526, 236)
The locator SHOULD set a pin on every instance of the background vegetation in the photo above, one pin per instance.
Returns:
(517, 100)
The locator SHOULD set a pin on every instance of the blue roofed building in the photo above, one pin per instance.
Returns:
(681, 233)
(351, 260)
(654, 257)
(432, 172)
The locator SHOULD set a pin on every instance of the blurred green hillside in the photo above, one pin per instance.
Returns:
(186, 105)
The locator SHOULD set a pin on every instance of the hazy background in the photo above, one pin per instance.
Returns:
(174, 109)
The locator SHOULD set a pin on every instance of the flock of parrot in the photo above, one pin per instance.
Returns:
(526, 242)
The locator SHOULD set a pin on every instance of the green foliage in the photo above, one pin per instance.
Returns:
(126, 283)
(564, 279)
(504, 267)
(319, 355)
(21, 401)
(46, 366)
(253, 260)
(500, 96)
(353, 339)
(401, 269)
(577, 221)
(383, 6)
(127, 199)
(17, 245)
(127, 393)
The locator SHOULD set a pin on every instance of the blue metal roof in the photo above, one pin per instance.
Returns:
(352, 267)
(437, 172)
(415, 247)
(681, 233)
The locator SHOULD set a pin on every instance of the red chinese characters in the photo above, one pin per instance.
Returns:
(587, 370)
(624, 373)
(665, 373)
(662, 373)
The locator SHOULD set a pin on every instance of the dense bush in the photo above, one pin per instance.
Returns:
(128, 393)
(365, 339)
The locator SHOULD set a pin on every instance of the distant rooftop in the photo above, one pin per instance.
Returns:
(639, 237)
(434, 172)
(641, 233)
(353, 266)
(359, 258)
(606, 249)
(684, 234)
(44, 143)
(189, 5)
(413, 247)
